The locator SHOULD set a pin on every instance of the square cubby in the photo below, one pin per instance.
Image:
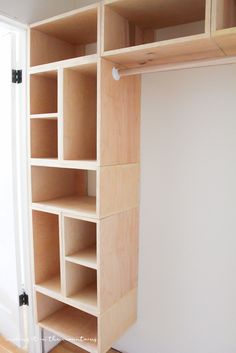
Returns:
(44, 138)
(64, 37)
(43, 93)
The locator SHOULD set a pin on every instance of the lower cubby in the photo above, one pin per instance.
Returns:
(46, 245)
(80, 242)
(64, 189)
(81, 286)
(67, 322)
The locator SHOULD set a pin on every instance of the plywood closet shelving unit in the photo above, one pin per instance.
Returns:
(84, 170)
(85, 153)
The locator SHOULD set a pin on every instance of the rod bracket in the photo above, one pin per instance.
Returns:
(115, 74)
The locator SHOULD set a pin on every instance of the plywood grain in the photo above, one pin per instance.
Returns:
(119, 118)
(115, 321)
(119, 189)
(117, 257)
(161, 13)
(43, 93)
(79, 113)
(44, 138)
(46, 246)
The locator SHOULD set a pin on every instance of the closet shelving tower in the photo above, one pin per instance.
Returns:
(84, 167)
(84, 134)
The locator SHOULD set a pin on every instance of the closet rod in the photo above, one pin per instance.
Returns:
(118, 73)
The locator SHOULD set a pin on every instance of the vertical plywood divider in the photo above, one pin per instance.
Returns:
(120, 117)
(60, 123)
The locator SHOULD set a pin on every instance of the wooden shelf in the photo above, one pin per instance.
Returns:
(64, 189)
(53, 162)
(157, 32)
(84, 206)
(86, 257)
(67, 322)
(80, 241)
(81, 286)
(44, 138)
(85, 299)
(83, 61)
(50, 285)
(44, 116)
(66, 36)
(224, 25)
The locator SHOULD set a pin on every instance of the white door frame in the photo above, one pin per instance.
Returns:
(31, 334)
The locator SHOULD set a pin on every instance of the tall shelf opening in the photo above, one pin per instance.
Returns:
(64, 37)
(43, 93)
(80, 112)
(130, 23)
(46, 251)
(64, 189)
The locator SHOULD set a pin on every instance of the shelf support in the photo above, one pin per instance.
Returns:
(119, 73)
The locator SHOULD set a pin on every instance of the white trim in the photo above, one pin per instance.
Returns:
(31, 331)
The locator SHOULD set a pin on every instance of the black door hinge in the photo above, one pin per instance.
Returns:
(23, 299)
(16, 76)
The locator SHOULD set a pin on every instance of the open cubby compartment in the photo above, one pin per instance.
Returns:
(67, 322)
(81, 286)
(224, 25)
(129, 23)
(64, 189)
(44, 138)
(225, 14)
(80, 112)
(64, 37)
(46, 247)
(43, 93)
(80, 241)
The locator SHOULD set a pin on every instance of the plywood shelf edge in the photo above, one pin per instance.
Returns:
(57, 163)
(64, 64)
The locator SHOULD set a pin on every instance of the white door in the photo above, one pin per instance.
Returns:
(11, 318)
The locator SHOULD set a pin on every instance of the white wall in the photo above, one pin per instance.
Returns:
(187, 285)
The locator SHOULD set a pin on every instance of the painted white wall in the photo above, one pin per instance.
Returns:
(187, 284)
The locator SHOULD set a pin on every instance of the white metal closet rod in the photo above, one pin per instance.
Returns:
(118, 73)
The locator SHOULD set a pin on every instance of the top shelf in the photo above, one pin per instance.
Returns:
(135, 33)
(138, 32)
(64, 37)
